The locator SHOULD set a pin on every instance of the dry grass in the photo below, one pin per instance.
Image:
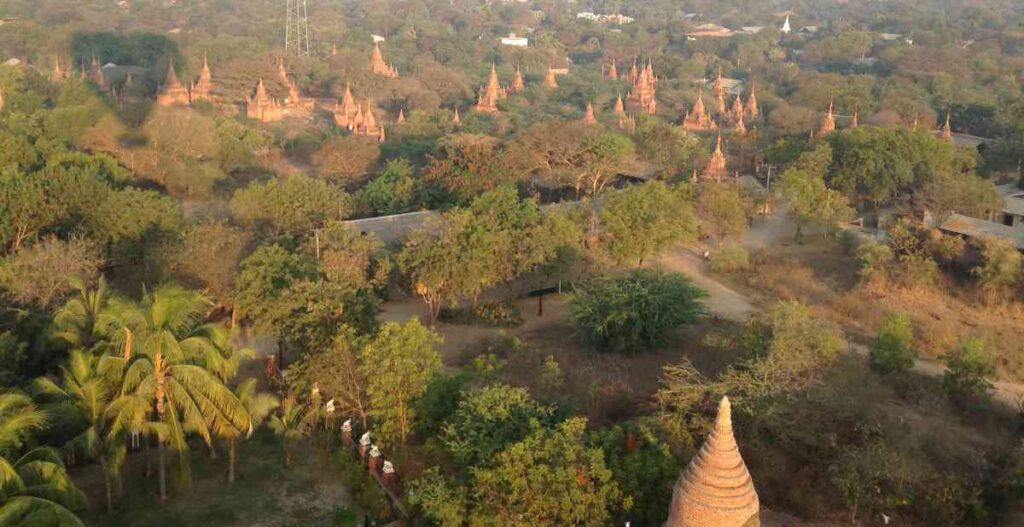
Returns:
(821, 275)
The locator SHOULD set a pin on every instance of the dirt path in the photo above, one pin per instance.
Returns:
(728, 303)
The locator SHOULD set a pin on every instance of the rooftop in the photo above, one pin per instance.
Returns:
(1013, 198)
(976, 228)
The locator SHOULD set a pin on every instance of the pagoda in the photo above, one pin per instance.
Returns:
(716, 170)
(736, 112)
(588, 116)
(401, 116)
(719, 91)
(456, 120)
(262, 107)
(853, 121)
(620, 109)
(172, 92)
(740, 127)
(96, 74)
(716, 489)
(377, 64)
(517, 82)
(698, 120)
(751, 107)
(58, 74)
(641, 97)
(203, 88)
(613, 72)
(946, 134)
(368, 124)
(344, 113)
(487, 101)
(828, 123)
(549, 78)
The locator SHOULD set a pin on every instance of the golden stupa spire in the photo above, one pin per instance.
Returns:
(716, 489)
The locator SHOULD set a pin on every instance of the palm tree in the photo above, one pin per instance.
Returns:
(87, 318)
(258, 406)
(89, 385)
(34, 488)
(169, 388)
(291, 424)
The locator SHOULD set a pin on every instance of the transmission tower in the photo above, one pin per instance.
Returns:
(296, 32)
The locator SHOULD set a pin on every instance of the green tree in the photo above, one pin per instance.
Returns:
(291, 423)
(295, 207)
(209, 258)
(875, 260)
(436, 264)
(969, 372)
(1000, 267)
(634, 312)
(643, 467)
(893, 348)
(723, 210)
(604, 156)
(130, 214)
(441, 500)
(393, 191)
(489, 419)
(549, 478)
(398, 364)
(788, 349)
(265, 276)
(26, 207)
(172, 375)
(336, 370)
(84, 397)
(36, 488)
(811, 202)
(642, 221)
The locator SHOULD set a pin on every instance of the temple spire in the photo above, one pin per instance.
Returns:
(828, 123)
(588, 116)
(517, 82)
(489, 95)
(401, 116)
(549, 78)
(947, 131)
(455, 118)
(751, 106)
(716, 488)
(613, 73)
(58, 73)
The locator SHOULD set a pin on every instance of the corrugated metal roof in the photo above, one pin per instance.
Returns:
(974, 228)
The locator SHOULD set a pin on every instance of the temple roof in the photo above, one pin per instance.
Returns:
(716, 489)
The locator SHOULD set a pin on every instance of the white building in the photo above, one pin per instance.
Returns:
(513, 40)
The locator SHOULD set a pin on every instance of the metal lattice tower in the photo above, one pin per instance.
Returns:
(296, 33)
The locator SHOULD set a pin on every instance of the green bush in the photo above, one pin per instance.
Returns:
(497, 314)
(970, 372)
(636, 311)
(917, 270)
(893, 349)
(730, 258)
(847, 239)
(875, 259)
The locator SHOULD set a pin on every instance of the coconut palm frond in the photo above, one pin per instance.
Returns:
(48, 480)
(30, 511)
